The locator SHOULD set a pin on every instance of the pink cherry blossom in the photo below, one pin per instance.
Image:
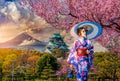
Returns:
(63, 14)
(110, 39)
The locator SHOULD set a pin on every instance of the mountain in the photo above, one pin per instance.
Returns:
(24, 40)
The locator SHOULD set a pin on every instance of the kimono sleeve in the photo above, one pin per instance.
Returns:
(72, 53)
(91, 55)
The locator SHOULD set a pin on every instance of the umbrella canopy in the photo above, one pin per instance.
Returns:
(93, 29)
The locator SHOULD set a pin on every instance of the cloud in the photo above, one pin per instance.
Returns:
(8, 31)
(9, 12)
(20, 17)
(14, 20)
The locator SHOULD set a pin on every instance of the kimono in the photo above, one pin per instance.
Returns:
(82, 63)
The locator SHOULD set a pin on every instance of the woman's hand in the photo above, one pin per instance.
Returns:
(87, 52)
(71, 66)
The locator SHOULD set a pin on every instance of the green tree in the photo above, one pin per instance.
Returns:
(0, 72)
(10, 60)
(44, 61)
(108, 64)
(21, 61)
(48, 72)
(59, 53)
(20, 71)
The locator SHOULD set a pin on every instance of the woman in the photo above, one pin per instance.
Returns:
(81, 55)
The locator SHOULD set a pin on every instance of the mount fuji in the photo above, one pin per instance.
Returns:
(24, 40)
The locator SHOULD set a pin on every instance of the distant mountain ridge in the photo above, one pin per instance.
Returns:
(24, 40)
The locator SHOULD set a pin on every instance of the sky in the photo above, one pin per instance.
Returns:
(14, 20)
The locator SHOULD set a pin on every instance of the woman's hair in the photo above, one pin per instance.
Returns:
(80, 29)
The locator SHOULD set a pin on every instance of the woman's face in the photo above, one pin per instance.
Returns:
(82, 33)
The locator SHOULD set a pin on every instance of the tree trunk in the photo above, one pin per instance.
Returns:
(114, 75)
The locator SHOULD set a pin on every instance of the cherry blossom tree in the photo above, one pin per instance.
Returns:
(110, 39)
(64, 14)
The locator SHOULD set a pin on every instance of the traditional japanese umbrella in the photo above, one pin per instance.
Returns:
(93, 29)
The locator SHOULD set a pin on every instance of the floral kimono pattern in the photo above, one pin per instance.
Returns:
(81, 64)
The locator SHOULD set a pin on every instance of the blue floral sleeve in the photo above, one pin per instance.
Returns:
(90, 56)
(72, 53)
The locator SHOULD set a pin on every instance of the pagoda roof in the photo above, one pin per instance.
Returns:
(57, 35)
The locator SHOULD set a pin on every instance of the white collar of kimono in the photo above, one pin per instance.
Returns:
(81, 39)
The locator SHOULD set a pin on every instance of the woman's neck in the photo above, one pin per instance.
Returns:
(81, 37)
